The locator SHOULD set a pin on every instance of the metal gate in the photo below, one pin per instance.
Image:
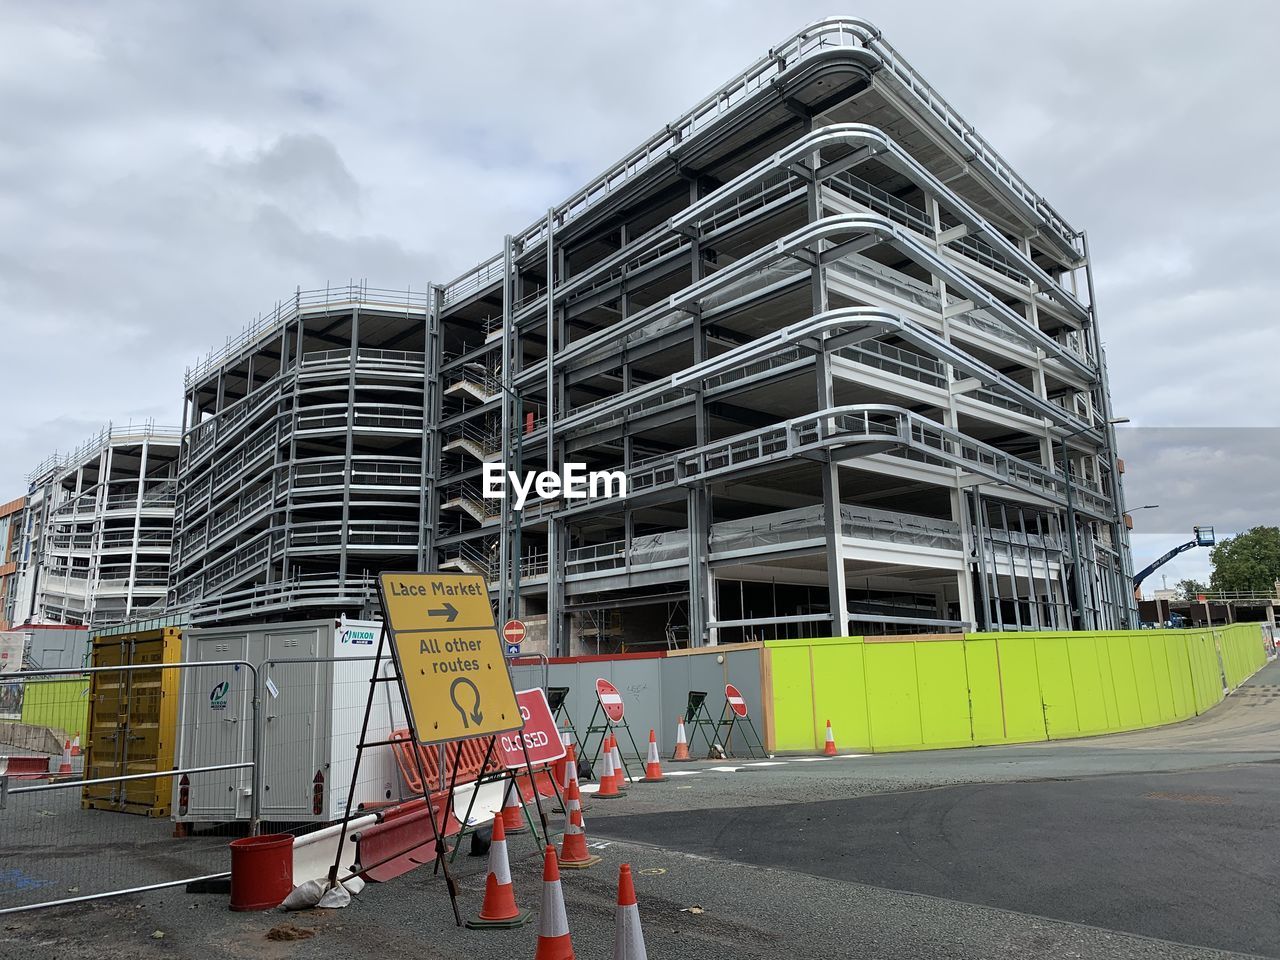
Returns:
(59, 845)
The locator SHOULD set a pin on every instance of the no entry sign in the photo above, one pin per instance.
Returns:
(736, 703)
(513, 631)
(540, 734)
(610, 699)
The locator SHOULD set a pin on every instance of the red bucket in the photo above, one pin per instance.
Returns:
(261, 871)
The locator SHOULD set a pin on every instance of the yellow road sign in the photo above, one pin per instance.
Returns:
(436, 601)
(449, 654)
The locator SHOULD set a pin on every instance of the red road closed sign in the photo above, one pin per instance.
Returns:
(610, 699)
(513, 631)
(541, 737)
(736, 703)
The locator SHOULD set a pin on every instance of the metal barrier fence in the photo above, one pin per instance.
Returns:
(217, 747)
(177, 759)
(63, 838)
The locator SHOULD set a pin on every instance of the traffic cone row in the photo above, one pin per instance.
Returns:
(499, 909)
(554, 940)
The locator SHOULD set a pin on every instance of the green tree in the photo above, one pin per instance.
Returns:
(1247, 562)
(1190, 589)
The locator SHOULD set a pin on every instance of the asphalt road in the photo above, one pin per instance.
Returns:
(1153, 844)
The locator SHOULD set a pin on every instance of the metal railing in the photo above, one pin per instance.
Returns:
(53, 846)
(147, 430)
(819, 37)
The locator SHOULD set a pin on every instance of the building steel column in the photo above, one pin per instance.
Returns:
(137, 525)
(504, 379)
(555, 601)
(343, 570)
(429, 455)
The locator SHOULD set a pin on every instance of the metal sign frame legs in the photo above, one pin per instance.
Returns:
(440, 862)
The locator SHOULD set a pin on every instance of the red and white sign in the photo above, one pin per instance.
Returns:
(540, 734)
(513, 631)
(610, 699)
(736, 703)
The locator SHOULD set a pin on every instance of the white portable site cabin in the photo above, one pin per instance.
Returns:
(314, 682)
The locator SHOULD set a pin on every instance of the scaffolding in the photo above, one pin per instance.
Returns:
(848, 359)
(97, 528)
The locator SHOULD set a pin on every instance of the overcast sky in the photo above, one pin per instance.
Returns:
(169, 170)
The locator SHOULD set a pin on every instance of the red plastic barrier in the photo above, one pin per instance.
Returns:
(403, 839)
(25, 768)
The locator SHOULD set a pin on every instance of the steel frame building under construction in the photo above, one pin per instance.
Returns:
(97, 528)
(847, 358)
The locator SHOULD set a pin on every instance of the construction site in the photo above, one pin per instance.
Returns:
(845, 355)
(776, 465)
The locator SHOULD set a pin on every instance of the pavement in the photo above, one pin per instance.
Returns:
(1151, 844)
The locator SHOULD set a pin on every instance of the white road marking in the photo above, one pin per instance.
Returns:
(725, 769)
(766, 763)
(681, 773)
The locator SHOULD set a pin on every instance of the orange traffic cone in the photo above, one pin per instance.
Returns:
(553, 923)
(65, 766)
(628, 938)
(608, 782)
(652, 765)
(75, 745)
(499, 909)
(619, 768)
(830, 748)
(573, 848)
(682, 744)
(512, 811)
(558, 767)
(571, 774)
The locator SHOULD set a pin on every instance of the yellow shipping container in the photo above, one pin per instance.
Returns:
(133, 719)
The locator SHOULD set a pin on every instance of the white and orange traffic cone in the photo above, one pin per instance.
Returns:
(571, 774)
(573, 848)
(65, 766)
(619, 768)
(652, 765)
(829, 749)
(608, 782)
(628, 938)
(558, 767)
(75, 745)
(553, 922)
(682, 744)
(512, 811)
(606, 748)
(499, 909)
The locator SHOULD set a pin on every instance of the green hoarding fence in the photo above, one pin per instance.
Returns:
(929, 692)
(61, 703)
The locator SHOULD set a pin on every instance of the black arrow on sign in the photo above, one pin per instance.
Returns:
(448, 610)
(475, 714)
